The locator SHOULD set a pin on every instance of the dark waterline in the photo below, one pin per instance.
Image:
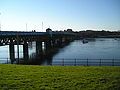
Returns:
(96, 51)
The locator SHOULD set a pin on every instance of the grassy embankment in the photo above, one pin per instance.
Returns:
(59, 77)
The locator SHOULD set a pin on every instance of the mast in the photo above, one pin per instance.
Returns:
(0, 22)
(42, 26)
(26, 26)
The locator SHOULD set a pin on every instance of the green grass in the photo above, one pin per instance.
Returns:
(25, 77)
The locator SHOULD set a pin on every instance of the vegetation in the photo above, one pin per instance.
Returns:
(30, 77)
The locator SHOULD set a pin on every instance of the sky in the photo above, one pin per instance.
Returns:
(28, 15)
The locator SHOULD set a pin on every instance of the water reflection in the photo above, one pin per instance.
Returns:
(44, 57)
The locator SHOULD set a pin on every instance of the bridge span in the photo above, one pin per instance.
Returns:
(51, 40)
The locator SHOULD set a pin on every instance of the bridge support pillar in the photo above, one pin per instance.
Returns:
(58, 42)
(38, 47)
(48, 44)
(53, 43)
(11, 51)
(25, 50)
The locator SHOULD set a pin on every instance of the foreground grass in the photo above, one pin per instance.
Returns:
(59, 77)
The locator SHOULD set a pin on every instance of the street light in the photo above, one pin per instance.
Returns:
(17, 48)
(0, 21)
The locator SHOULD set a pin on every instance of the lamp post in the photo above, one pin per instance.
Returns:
(0, 21)
(0, 26)
(26, 27)
(17, 48)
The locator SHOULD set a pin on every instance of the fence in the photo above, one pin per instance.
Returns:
(86, 62)
(76, 62)
(5, 60)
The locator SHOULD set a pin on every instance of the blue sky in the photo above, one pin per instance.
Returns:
(60, 14)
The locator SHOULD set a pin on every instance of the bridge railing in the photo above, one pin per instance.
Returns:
(14, 33)
(7, 33)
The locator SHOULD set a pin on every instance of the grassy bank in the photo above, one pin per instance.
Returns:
(59, 77)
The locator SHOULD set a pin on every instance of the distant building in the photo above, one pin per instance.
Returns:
(69, 30)
(33, 31)
(48, 30)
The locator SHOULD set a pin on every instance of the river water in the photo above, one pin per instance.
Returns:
(77, 52)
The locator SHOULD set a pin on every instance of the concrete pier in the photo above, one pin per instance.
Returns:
(48, 44)
(38, 47)
(25, 50)
(11, 51)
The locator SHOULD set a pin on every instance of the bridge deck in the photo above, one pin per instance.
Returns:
(13, 33)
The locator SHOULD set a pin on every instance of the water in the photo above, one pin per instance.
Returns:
(78, 52)
(5, 56)
(100, 48)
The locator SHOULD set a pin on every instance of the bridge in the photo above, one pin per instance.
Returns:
(51, 40)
